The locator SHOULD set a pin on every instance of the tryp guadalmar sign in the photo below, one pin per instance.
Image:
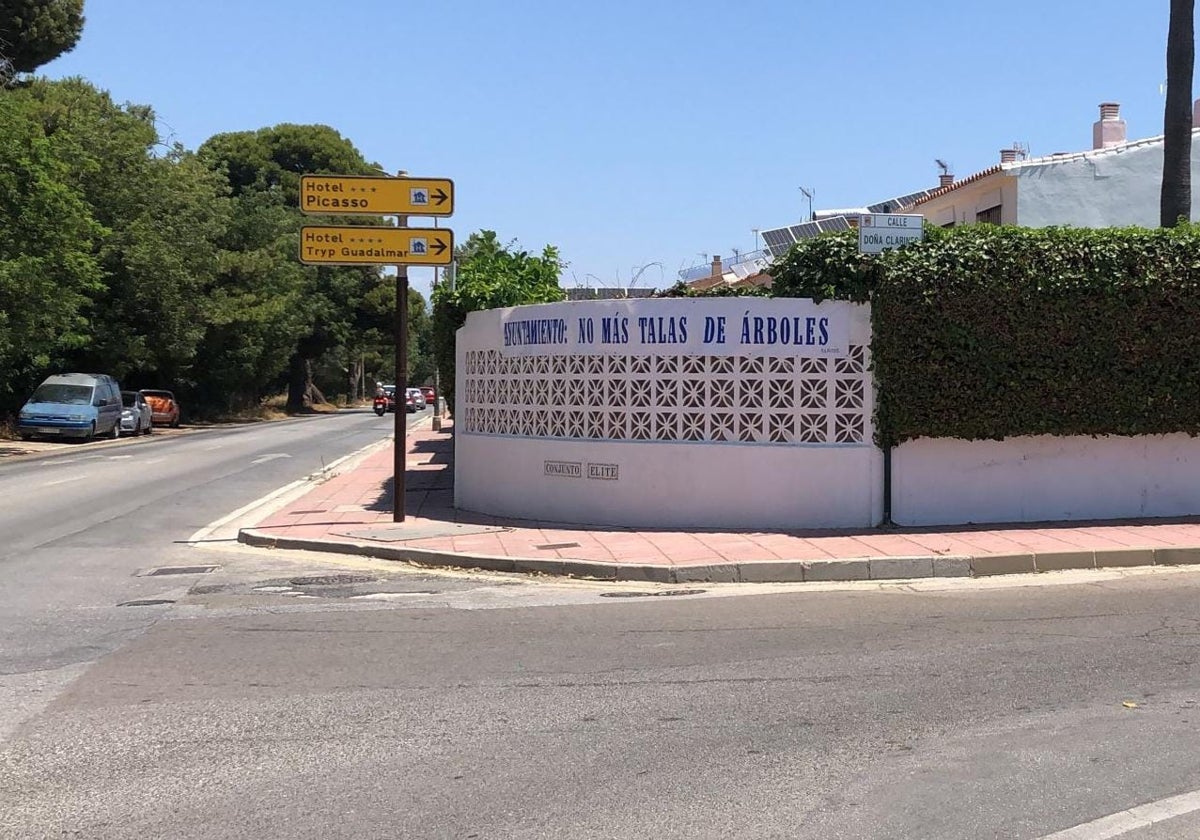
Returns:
(724, 326)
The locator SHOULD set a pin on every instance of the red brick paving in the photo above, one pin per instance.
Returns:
(361, 498)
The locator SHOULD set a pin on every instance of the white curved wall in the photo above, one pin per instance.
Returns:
(734, 412)
(943, 481)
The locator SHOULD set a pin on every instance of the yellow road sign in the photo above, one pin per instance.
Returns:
(336, 195)
(363, 245)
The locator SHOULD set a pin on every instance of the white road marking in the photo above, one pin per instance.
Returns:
(66, 480)
(1132, 819)
(153, 461)
(118, 457)
(215, 447)
(273, 456)
(389, 596)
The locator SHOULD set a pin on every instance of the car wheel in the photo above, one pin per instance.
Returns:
(175, 423)
(116, 430)
(149, 428)
(91, 432)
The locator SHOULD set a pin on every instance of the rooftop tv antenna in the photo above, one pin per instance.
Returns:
(942, 165)
(809, 193)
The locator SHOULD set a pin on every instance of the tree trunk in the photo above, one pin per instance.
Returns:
(299, 379)
(315, 396)
(352, 378)
(1176, 201)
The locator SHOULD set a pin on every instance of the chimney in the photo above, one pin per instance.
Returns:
(945, 180)
(1109, 130)
(717, 271)
(1008, 155)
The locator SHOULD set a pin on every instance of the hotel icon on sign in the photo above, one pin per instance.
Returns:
(419, 197)
(418, 247)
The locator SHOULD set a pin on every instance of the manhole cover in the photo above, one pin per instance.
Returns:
(180, 570)
(330, 580)
(666, 593)
(147, 602)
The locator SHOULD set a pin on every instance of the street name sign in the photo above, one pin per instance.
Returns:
(363, 245)
(881, 232)
(336, 195)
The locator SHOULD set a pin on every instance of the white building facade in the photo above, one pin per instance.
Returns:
(1117, 183)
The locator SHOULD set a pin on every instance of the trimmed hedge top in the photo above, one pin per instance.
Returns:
(987, 332)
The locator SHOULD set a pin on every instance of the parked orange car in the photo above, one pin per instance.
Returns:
(164, 410)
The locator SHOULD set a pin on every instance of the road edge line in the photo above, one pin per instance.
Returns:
(278, 498)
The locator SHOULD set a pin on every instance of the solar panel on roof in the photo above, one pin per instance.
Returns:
(894, 204)
(778, 241)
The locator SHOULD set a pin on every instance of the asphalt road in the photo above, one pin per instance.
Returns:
(294, 696)
(77, 527)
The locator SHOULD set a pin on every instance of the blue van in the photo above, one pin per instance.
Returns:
(72, 405)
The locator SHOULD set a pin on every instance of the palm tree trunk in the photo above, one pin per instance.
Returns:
(1176, 201)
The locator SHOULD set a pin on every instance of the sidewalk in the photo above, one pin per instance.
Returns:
(351, 513)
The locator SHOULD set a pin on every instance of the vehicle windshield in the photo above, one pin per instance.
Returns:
(128, 399)
(56, 392)
(162, 395)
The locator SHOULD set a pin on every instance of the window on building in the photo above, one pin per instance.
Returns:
(990, 216)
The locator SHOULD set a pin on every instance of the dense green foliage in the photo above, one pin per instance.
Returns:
(683, 290)
(488, 275)
(35, 32)
(327, 305)
(173, 269)
(996, 332)
(49, 268)
(986, 332)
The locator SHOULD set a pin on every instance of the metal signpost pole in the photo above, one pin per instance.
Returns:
(437, 379)
(400, 455)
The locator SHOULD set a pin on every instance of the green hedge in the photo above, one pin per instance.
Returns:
(987, 332)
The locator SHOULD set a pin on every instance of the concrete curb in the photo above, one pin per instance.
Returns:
(756, 571)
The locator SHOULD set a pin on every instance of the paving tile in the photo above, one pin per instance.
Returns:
(940, 544)
(1146, 535)
(990, 542)
(837, 547)
(890, 546)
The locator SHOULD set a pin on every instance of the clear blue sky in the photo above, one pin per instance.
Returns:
(632, 132)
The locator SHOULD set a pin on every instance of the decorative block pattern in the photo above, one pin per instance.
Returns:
(766, 400)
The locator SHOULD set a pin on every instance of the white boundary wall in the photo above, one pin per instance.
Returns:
(725, 412)
(940, 481)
